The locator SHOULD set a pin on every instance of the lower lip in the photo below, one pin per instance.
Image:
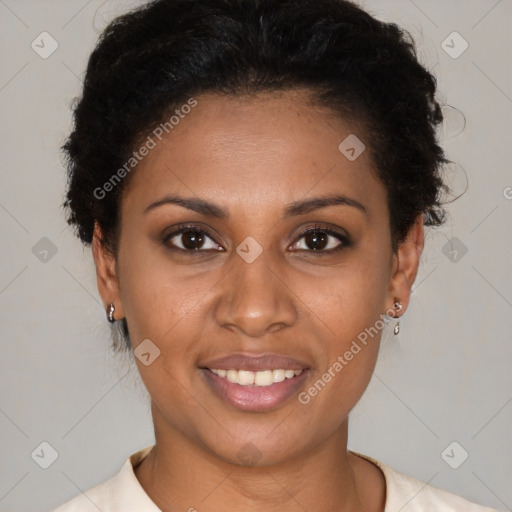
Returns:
(254, 398)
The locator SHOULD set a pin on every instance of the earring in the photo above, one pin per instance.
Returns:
(397, 306)
(110, 313)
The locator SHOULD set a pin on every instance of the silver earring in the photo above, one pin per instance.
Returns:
(397, 306)
(110, 313)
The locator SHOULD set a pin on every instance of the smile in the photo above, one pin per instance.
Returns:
(259, 378)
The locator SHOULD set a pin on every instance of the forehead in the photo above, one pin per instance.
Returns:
(259, 150)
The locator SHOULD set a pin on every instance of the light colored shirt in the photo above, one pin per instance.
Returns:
(123, 493)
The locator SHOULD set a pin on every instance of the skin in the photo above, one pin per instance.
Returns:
(253, 156)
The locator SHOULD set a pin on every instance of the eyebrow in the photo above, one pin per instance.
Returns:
(296, 208)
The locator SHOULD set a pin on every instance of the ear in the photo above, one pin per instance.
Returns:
(405, 265)
(108, 283)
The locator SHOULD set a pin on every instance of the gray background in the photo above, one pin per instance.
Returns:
(445, 378)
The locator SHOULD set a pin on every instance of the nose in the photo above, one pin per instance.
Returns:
(255, 298)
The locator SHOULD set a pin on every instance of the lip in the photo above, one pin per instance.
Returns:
(254, 398)
(255, 363)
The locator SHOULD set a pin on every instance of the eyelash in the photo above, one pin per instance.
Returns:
(345, 241)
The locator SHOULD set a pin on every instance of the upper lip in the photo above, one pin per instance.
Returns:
(255, 362)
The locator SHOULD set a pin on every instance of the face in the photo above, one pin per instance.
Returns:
(225, 250)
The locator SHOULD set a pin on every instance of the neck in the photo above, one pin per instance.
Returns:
(180, 474)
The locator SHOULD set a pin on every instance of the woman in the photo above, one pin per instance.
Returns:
(254, 178)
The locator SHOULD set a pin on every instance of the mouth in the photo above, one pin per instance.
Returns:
(255, 383)
(261, 378)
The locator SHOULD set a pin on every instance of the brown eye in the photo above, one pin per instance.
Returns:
(316, 240)
(321, 240)
(190, 240)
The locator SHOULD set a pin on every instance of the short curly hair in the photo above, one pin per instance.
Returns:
(151, 60)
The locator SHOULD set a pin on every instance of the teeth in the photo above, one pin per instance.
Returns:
(261, 378)
(232, 376)
(278, 375)
(245, 378)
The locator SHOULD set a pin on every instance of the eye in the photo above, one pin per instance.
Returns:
(321, 240)
(190, 239)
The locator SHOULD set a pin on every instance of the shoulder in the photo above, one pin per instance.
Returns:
(408, 494)
(121, 492)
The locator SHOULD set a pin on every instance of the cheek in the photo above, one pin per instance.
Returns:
(349, 297)
(157, 297)
(350, 305)
(339, 384)
(165, 305)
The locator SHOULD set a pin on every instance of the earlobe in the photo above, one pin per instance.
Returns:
(106, 277)
(407, 260)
